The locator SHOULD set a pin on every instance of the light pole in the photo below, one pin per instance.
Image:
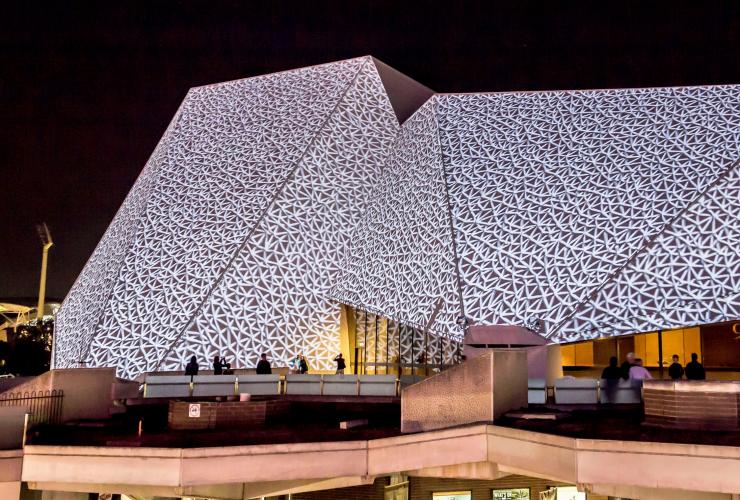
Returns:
(46, 243)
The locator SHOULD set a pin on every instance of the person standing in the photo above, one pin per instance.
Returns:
(612, 372)
(192, 367)
(694, 369)
(263, 367)
(339, 360)
(629, 363)
(303, 365)
(218, 367)
(638, 372)
(675, 371)
(295, 365)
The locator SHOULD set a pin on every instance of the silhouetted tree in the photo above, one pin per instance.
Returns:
(30, 348)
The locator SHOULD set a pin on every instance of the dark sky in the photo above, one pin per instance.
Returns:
(86, 91)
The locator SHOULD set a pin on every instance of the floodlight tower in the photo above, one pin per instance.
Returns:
(46, 243)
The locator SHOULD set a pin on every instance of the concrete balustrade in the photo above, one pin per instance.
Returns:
(304, 385)
(341, 385)
(180, 386)
(167, 386)
(378, 385)
(479, 390)
(620, 391)
(259, 385)
(214, 385)
(536, 391)
(570, 391)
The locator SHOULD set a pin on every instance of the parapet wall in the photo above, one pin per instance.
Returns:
(688, 404)
(223, 414)
(479, 390)
(87, 391)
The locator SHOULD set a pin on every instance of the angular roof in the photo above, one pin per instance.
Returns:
(232, 233)
(540, 199)
(573, 213)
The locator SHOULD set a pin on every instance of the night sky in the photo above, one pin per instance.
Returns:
(86, 91)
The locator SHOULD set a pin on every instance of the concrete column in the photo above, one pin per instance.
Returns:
(554, 364)
(10, 490)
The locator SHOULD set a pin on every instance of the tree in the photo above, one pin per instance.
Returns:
(30, 348)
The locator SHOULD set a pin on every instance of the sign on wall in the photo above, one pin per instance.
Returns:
(511, 494)
(194, 410)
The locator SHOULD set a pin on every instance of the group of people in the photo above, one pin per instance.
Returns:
(298, 365)
(222, 367)
(632, 369)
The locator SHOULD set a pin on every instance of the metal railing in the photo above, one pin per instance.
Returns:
(43, 407)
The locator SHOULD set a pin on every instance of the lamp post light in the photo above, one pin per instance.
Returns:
(46, 243)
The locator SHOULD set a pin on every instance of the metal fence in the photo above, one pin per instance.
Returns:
(44, 407)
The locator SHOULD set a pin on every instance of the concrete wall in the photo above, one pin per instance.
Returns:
(11, 465)
(219, 415)
(479, 390)
(87, 391)
(684, 404)
(373, 491)
(12, 419)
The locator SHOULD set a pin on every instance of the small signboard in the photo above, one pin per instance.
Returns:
(511, 494)
(194, 410)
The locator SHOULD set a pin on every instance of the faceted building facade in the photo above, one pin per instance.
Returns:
(279, 211)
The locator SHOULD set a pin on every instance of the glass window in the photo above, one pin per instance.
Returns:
(568, 354)
(673, 344)
(691, 343)
(646, 348)
(585, 354)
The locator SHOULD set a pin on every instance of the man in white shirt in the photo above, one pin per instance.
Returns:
(638, 372)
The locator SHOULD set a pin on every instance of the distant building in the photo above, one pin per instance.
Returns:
(345, 207)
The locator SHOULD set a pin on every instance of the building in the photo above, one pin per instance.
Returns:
(345, 207)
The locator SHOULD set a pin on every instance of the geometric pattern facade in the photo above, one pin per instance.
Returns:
(274, 297)
(230, 153)
(552, 195)
(402, 261)
(689, 275)
(270, 200)
(554, 192)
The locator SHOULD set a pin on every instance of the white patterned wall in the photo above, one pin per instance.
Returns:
(402, 260)
(689, 275)
(220, 166)
(587, 213)
(274, 296)
(77, 320)
(552, 192)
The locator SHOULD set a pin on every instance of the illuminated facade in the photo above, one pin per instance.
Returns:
(271, 201)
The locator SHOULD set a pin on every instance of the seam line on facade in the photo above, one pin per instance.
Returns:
(453, 233)
(646, 246)
(139, 222)
(276, 195)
